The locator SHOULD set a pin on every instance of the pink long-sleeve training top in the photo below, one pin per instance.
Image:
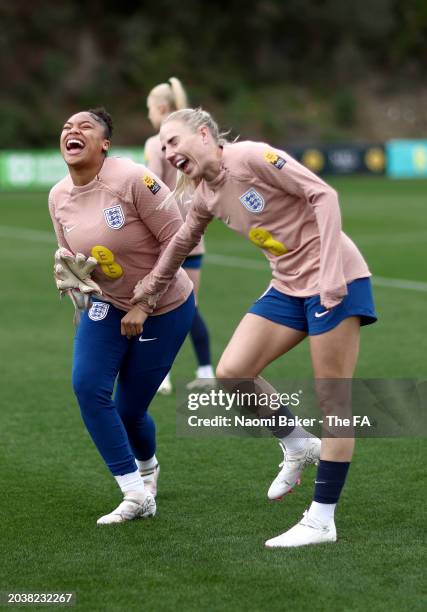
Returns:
(157, 163)
(116, 219)
(281, 207)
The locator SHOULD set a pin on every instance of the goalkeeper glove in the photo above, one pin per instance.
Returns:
(72, 276)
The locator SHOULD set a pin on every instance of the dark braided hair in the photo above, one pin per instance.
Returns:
(101, 116)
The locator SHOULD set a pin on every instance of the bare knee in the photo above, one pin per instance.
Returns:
(226, 370)
(233, 369)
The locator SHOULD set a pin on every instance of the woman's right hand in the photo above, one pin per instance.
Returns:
(133, 322)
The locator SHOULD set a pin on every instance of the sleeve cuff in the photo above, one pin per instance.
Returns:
(148, 309)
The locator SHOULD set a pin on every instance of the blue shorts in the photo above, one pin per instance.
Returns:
(306, 314)
(193, 261)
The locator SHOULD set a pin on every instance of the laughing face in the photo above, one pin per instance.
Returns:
(194, 153)
(83, 140)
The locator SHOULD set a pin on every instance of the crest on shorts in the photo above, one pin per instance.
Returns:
(98, 311)
(253, 201)
(114, 216)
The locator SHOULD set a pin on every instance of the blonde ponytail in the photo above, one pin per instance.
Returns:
(179, 94)
(172, 94)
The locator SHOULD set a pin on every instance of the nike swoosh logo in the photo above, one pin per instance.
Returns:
(321, 314)
(69, 229)
(141, 339)
(319, 482)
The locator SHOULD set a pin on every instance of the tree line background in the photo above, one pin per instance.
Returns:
(286, 71)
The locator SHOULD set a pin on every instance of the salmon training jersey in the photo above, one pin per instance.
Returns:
(116, 219)
(157, 163)
(283, 209)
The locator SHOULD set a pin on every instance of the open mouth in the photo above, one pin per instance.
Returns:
(74, 145)
(182, 164)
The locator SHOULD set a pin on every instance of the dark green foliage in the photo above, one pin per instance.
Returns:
(344, 108)
(59, 57)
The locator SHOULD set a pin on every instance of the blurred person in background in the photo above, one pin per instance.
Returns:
(161, 101)
(108, 209)
(320, 287)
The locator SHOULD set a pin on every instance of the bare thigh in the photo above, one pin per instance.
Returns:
(334, 354)
(255, 343)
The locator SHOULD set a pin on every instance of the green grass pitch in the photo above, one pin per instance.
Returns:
(204, 549)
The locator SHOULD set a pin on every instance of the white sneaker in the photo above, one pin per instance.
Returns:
(292, 466)
(150, 478)
(202, 383)
(135, 505)
(307, 531)
(166, 386)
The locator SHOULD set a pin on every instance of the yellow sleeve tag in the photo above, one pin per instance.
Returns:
(272, 158)
(152, 185)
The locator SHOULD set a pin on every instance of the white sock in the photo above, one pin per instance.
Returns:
(149, 464)
(205, 371)
(130, 482)
(324, 513)
(296, 441)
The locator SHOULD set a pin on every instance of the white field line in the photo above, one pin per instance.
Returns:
(27, 234)
(248, 264)
(394, 239)
(211, 258)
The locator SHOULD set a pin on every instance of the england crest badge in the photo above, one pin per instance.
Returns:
(114, 216)
(98, 311)
(253, 201)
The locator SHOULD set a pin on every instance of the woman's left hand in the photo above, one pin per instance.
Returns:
(133, 322)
